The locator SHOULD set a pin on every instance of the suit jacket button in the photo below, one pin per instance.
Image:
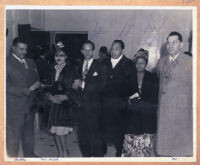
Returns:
(111, 76)
(163, 92)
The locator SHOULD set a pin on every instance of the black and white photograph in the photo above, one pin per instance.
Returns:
(100, 83)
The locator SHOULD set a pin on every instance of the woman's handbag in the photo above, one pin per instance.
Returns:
(138, 105)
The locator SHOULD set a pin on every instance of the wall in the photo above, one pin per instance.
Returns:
(15, 17)
(137, 28)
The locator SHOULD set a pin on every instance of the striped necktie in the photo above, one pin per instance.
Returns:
(85, 71)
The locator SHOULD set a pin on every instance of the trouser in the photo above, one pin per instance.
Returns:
(20, 127)
(113, 128)
(90, 147)
(90, 138)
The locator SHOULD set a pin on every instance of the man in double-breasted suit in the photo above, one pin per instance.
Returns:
(93, 81)
(21, 81)
(120, 69)
(175, 109)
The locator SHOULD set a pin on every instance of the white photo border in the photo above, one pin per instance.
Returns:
(112, 159)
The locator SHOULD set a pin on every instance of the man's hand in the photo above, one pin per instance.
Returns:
(36, 85)
(77, 83)
(27, 91)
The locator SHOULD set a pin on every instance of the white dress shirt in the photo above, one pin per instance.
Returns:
(89, 64)
(115, 61)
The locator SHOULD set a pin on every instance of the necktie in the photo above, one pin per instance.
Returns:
(85, 71)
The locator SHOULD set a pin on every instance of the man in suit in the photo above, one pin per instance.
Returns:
(120, 70)
(21, 81)
(93, 81)
(174, 130)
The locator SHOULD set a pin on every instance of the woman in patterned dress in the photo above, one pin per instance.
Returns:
(142, 110)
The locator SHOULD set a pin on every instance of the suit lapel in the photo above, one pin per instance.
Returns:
(20, 70)
(109, 66)
(62, 73)
(90, 74)
(166, 66)
(81, 67)
(19, 66)
(91, 69)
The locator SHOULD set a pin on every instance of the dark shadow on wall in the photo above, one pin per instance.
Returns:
(163, 50)
(189, 52)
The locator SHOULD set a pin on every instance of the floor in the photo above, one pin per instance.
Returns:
(45, 145)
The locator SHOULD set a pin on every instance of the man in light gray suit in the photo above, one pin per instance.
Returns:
(21, 81)
(175, 101)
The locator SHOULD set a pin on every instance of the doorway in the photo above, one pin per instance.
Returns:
(73, 42)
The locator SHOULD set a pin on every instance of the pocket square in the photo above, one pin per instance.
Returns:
(95, 74)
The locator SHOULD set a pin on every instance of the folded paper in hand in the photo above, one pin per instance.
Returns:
(135, 95)
(95, 74)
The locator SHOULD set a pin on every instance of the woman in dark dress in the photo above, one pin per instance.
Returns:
(141, 115)
(61, 115)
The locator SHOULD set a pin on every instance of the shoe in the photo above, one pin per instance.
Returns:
(118, 154)
(66, 154)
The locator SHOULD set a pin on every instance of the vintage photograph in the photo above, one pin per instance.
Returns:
(101, 82)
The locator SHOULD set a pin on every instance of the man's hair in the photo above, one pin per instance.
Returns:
(180, 38)
(120, 42)
(18, 40)
(89, 42)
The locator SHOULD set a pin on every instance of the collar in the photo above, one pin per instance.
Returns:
(115, 61)
(19, 59)
(174, 58)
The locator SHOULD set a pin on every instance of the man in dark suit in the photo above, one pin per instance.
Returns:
(117, 89)
(93, 81)
(21, 81)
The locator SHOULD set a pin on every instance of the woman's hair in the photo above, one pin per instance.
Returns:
(142, 53)
(60, 50)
